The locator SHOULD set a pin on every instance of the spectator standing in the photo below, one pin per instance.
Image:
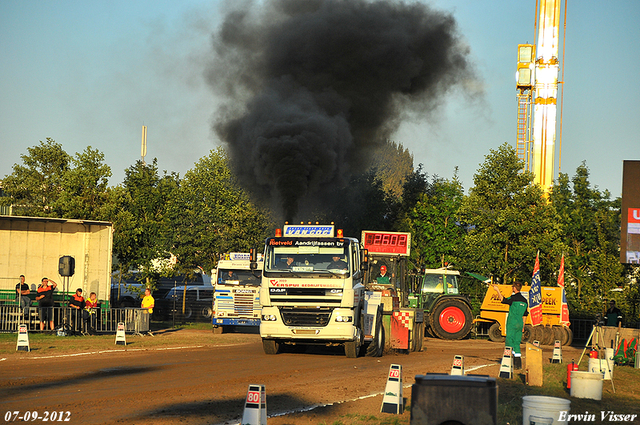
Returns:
(22, 296)
(45, 302)
(148, 302)
(613, 315)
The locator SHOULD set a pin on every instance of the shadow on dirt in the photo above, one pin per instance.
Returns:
(222, 411)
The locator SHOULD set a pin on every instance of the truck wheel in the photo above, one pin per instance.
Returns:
(451, 319)
(537, 334)
(376, 346)
(188, 313)
(217, 330)
(206, 312)
(559, 334)
(495, 334)
(351, 349)
(526, 334)
(417, 337)
(569, 332)
(270, 346)
(548, 335)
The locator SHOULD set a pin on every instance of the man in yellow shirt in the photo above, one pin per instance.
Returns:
(148, 302)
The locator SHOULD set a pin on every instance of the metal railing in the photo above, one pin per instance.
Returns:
(66, 320)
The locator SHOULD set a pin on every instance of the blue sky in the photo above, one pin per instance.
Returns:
(91, 73)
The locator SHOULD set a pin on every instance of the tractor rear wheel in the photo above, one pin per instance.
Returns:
(451, 319)
(495, 334)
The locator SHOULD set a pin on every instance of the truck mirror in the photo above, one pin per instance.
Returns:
(253, 264)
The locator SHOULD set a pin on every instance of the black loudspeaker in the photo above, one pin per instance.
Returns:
(67, 266)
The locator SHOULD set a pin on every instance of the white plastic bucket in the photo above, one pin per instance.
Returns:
(587, 384)
(601, 366)
(538, 409)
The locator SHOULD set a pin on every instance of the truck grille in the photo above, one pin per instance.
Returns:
(243, 305)
(310, 317)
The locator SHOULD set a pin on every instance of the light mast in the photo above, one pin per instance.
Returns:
(537, 147)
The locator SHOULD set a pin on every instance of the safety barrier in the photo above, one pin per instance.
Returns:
(136, 320)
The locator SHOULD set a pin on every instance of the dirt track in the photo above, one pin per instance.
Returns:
(208, 385)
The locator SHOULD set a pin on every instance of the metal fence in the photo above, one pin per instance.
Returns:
(136, 320)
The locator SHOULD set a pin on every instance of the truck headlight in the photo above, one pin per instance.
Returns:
(344, 318)
(269, 317)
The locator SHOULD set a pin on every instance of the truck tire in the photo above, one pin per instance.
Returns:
(376, 347)
(527, 334)
(270, 346)
(495, 334)
(548, 335)
(417, 337)
(351, 349)
(569, 333)
(559, 334)
(206, 312)
(537, 334)
(451, 319)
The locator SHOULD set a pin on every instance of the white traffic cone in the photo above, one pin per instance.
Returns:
(255, 408)
(23, 339)
(557, 352)
(392, 401)
(121, 338)
(458, 366)
(506, 367)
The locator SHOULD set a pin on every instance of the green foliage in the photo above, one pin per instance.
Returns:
(429, 212)
(141, 230)
(84, 187)
(210, 215)
(508, 220)
(35, 187)
(591, 231)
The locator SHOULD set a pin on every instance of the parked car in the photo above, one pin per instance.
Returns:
(129, 292)
(198, 303)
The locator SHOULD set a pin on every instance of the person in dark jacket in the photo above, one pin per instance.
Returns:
(613, 315)
(76, 304)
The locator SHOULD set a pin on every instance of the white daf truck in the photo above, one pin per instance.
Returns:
(236, 300)
(313, 292)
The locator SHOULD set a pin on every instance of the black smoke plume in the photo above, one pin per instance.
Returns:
(315, 86)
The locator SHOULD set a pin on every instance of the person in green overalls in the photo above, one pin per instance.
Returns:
(515, 323)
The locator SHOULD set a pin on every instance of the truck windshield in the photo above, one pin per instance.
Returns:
(308, 255)
(239, 277)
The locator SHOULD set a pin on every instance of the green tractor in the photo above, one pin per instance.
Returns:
(447, 314)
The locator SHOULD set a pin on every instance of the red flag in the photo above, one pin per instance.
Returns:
(561, 273)
(564, 318)
(535, 295)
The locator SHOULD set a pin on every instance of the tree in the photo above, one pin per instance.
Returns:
(507, 220)
(35, 187)
(591, 231)
(392, 164)
(141, 230)
(210, 215)
(84, 187)
(435, 233)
